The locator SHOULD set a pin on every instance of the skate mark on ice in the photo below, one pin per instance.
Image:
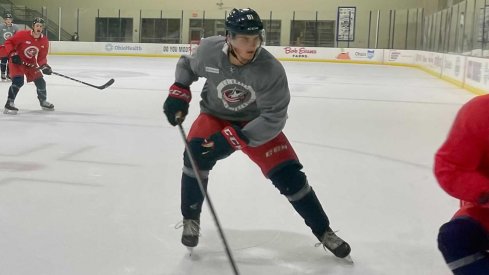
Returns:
(379, 100)
(365, 154)
(288, 252)
(96, 74)
(19, 180)
(70, 157)
(28, 151)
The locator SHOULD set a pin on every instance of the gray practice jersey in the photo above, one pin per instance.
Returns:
(257, 92)
(7, 31)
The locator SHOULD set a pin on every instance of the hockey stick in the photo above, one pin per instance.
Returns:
(206, 195)
(110, 82)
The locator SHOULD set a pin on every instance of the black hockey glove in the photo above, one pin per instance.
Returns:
(16, 59)
(483, 198)
(177, 102)
(46, 69)
(224, 143)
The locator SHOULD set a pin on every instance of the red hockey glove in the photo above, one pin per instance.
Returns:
(225, 142)
(176, 104)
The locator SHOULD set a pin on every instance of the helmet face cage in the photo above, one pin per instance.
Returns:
(243, 21)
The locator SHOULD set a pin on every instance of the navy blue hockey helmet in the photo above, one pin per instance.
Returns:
(8, 15)
(38, 20)
(244, 21)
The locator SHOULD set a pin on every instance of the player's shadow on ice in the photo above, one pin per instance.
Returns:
(27, 112)
(260, 252)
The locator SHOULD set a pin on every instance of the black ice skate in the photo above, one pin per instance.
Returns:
(4, 77)
(335, 244)
(10, 108)
(191, 232)
(46, 106)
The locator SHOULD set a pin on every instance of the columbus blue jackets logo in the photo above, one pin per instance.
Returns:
(7, 35)
(235, 95)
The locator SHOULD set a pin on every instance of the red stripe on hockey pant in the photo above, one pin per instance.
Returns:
(272, 154)
(235, 139)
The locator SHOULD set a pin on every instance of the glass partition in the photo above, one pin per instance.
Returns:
(462, 28)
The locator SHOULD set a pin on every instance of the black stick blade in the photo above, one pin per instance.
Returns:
(110, 82)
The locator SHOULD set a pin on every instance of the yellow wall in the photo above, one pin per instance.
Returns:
(281, 10)
(304, 5)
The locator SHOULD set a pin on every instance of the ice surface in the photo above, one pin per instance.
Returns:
(93, 188)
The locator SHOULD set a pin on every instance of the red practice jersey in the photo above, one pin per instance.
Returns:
(462, 162)
(32, 51)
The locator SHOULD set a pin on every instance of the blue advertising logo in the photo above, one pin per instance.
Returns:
(370, 54)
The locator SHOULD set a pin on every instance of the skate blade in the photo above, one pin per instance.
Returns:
(190, 251)
(348, 260)
(47, 109)
(9, 112)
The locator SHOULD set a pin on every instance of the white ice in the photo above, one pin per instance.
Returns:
(93, 187)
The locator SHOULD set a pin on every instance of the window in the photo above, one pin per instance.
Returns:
(272, 32)
(108, 29)
(204, 28)
(310, 33)
(160, 30)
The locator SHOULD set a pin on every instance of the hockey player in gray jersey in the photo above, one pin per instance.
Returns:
(7, 30)
(243, 107)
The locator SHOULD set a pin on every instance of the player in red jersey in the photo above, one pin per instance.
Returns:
(462, 170)
(28, 50)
